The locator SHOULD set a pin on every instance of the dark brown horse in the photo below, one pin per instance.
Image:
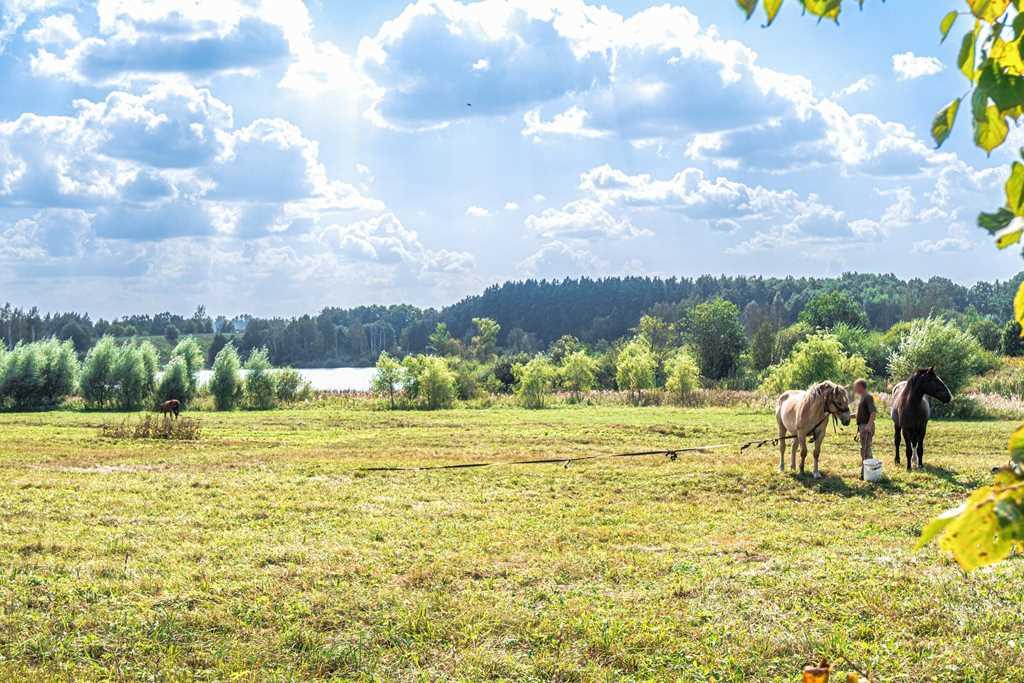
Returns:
(172, 407)
(911, 411)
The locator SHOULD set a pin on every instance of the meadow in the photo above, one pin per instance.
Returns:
(258, 552)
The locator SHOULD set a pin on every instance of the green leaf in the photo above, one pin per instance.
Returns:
(991, 132)
(947, 24)
(771, 9)
(747, 6)
(1005, 89)
(994, 222)
(1007, 56)
(942, 126)
(985, 529)
(1015, 189)
(965, 60)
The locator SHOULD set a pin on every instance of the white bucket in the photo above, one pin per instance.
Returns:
(872, 470)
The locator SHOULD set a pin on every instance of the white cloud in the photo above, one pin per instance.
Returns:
(539, 198)
(946, 244)
(907, 66)
(57, 29)
(511, 206)
(561, 259)
(860, 85)
(582, 219)
(477, 212)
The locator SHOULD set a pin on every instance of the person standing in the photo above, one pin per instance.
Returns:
(866, 413)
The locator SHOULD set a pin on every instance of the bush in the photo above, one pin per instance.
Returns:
(38, 375)
(97, 381)
(1012, 343)
(683, 376)
(291, 387)
(389, 378)
(130, 385)
(867, 344)
(226, 383)
(578, 373)
(828, 309)
(718, 337)
(189, 350)
(436, 384)
(987, 333)
(955, 354)
(635, 368)
(152, 427)
(818, 358)
(788, 338)
(260, 387)
(175, 383)
(534, 382)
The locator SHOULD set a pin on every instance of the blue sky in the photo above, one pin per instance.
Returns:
(276, 156)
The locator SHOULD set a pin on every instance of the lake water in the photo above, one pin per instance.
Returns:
(326, 379)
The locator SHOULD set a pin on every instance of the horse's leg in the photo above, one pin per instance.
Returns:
(899, 431)
(803, 452)
(911, 446)
(818, 438)
(782, 447)
(920, 447)
(792, 454)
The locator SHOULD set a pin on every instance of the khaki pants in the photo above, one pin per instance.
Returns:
(867, 435)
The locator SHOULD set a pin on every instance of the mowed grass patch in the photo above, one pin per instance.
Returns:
(261, 552)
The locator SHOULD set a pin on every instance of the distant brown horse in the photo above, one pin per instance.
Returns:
(172, 407)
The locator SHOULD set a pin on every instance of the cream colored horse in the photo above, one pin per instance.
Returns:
(806, 413)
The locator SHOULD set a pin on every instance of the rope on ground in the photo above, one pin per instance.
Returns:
(671, 453)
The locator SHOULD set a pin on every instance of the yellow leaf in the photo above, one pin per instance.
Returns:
(771, 8)
(1008, 236)
(1015, 189)
(942, 126)
(826, 9)
(991, 132)
(965, 59)
(1018, 307)
(748, 6)
(1017, 438)
(988, 10)
(1007, 55)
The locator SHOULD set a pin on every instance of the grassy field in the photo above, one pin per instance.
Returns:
(259, 553)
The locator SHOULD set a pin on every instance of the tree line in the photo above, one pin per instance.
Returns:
(532, 314)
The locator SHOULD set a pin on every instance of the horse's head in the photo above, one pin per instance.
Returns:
(930, 384)
(837, 401)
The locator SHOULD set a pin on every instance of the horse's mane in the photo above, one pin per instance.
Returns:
(822, 389)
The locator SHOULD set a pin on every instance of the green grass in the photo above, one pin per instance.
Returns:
(259, 553)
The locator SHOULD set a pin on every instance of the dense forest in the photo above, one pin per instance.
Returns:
(532, 314)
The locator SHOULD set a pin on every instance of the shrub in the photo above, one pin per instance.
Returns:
(291, 387)
(818, 358)
(151, 364)
(38, 375)
(436, 383)
(97, 381)
(635, 368)
(226, 383)
(987, 333)
(683, 376)
(577, 373)
(828, 309)
(189, 350)
(534, 382)
(175, 383)
(129, 383)
(260, 386)
(867, 344)
(718, 337)
(152, 427)
(1012, 343)
(955, 354)
(389, 378)
(788, 338)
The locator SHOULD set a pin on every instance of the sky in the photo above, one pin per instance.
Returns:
(275, 157)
